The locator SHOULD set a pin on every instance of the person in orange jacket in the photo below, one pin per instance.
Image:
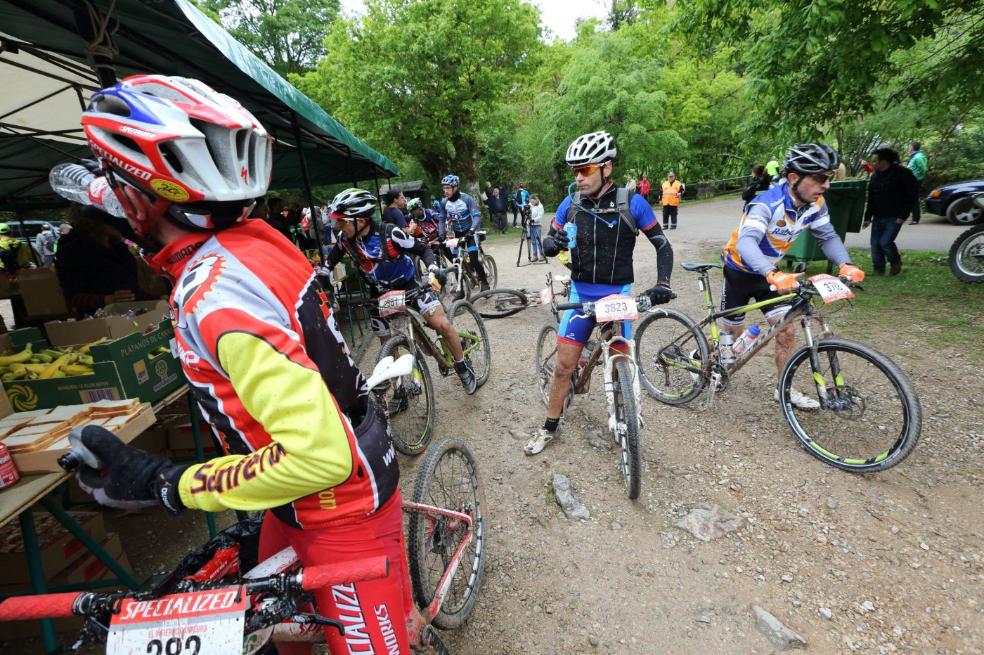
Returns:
(670, 194)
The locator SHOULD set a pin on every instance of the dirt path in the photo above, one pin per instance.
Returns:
(894, 559)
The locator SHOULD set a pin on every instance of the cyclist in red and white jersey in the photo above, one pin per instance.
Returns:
(257, 341)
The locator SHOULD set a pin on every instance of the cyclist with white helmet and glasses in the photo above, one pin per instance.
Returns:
(381, 253)
(461, 214)
(258, 343)
(768, 227)
(598, 225)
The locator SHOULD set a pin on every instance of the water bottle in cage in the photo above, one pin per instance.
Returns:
(746, 340)
(77, 183)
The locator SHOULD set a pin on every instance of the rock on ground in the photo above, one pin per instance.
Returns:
(708, 522)
(780, 636)
(568, 501)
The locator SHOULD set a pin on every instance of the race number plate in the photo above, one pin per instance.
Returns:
(831, 288)
(451, 243)
(616, 308)
(546, 295)
(198, 623)
(392, 302)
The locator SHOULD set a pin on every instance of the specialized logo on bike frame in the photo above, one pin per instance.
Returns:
(197, 623)
(198, 280)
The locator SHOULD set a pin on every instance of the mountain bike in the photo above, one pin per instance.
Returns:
(244, 607)
(500, 303)
(409, 399)
(616, 355)
(461, 278)
(966, 256)
(869, 417)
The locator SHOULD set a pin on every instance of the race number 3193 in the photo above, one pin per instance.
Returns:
(198, 623)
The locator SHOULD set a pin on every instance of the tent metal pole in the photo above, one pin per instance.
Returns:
(100, 63)
(315, 219)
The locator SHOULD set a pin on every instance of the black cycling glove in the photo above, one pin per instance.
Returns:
(554, 243)
(660, 294)
(131, 478)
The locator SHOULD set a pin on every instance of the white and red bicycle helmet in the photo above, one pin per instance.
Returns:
(180, 140)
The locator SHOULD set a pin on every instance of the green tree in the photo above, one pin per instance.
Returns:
(287, 34)
(816, 62)
(423, 76)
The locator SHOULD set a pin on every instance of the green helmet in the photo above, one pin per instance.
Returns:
(413, 203)
(4, 228)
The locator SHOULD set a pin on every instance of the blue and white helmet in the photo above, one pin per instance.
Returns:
(449, 180)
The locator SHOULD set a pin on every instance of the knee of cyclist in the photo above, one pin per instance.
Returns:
(564, 369)
(786, 336)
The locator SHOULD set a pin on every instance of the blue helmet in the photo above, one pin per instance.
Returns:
(449, 180)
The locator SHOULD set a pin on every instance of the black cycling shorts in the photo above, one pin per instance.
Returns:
(741, 288)
(426, 304)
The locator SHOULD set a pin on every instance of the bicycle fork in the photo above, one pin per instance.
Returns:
(628, 356)
(818, 379)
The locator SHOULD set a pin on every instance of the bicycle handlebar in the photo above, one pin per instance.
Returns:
(327, 575)
(806, 287)
(45, 606)
(642, 301)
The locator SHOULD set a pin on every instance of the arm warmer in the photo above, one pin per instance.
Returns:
(664, 253)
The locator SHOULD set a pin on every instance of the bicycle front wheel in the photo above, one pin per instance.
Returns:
(499, 303)
(870, 419)
(448, 479)
(545, 362)
(967, 255)
(456, 284)
(491, 270)
(408, 400)
(673, 356)
(474, 338)
(627, 429)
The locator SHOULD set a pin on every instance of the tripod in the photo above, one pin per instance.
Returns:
(526, 238)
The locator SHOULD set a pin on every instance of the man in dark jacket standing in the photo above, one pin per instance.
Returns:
(497, 209)
(892, 192)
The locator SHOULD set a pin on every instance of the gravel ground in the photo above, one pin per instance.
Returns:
(880, 563)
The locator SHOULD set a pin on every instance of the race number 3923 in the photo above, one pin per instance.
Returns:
(197, 623)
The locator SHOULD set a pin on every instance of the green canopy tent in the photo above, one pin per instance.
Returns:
(54, 53)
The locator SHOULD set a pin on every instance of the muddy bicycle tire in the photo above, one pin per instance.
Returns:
(626, 410)
(464, 317)
(412, 425)
(499, 303)
(672, 332)
(427, 535)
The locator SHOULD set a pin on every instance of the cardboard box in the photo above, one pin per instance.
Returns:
(112, 326)
(42, 294)
(17, 340)
(138, 366)
(90, 568)
(58, 547)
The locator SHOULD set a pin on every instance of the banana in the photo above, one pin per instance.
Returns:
(53, 354)
(52, 369)
(86, 360)
(7, 377)
(35, 368)
(84, 350)
(16, 358)
(18, 371)
(42, 358)
(76, 369)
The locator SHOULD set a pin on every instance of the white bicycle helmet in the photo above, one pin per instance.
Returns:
(593, 148)
(353, 203)
(449, 180)
(413, 203)
(178, 139)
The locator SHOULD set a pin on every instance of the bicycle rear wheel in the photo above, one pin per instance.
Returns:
(448, 479)
(871, 418)
(456, 286)
(544, 363)
(627, 425)
(474, 338)
(499, 303)
(408, 400)
(672, 355)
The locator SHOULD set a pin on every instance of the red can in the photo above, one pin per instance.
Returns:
(8, 470)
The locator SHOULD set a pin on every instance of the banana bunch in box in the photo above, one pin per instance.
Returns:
(48, 363)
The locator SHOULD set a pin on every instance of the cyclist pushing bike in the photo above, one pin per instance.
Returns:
(599, 225)
(258, 343)
(768, 228)
(461, 214)
(381, 253)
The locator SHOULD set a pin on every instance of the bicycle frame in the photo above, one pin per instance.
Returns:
(801, 309)
(436, 348)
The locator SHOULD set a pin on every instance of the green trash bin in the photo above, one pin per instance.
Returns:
(845, 201)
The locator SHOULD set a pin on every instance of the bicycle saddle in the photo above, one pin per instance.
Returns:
(700, 268)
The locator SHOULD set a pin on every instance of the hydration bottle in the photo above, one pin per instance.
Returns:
(746, 340)
(725, 348)
(77, 183)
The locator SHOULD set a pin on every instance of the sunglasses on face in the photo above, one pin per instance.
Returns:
(587, 170)
(822, 177)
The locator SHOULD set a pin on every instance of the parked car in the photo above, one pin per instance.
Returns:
(955, 201)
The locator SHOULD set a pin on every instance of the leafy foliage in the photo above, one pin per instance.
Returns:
(423, 76)
(287, 34)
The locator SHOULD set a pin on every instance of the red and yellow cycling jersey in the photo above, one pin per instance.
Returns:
(272, 376)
